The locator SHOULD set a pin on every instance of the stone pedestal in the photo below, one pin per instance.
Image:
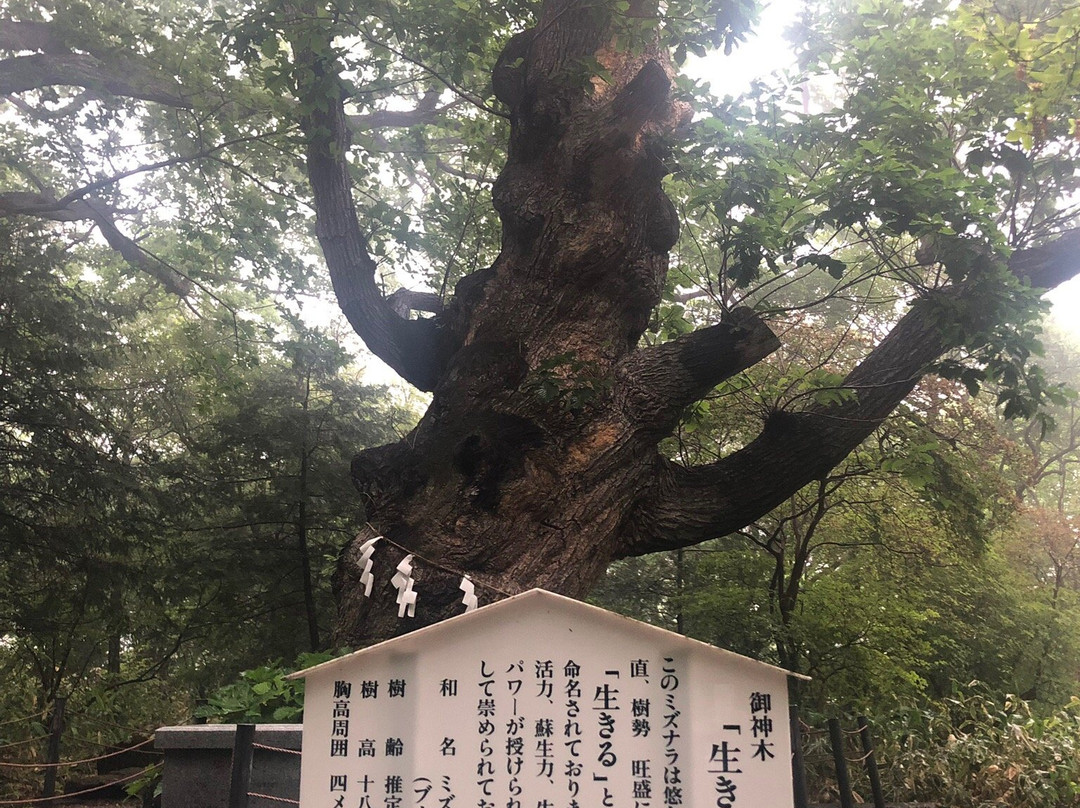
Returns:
(198, 762)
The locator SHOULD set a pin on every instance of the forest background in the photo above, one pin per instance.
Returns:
(179, 412)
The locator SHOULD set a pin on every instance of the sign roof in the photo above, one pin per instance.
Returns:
(501, 615)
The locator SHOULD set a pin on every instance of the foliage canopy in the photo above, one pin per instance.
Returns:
(648, 318)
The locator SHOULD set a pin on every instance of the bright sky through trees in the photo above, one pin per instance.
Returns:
(767, 50)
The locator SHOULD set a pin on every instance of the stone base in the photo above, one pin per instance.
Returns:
(198, 763)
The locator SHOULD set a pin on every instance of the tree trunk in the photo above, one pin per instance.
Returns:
(543, 424)
(537, 462)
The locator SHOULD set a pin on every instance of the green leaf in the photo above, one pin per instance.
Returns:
(835, 267)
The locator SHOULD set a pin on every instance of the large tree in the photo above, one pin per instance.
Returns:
(539, 458)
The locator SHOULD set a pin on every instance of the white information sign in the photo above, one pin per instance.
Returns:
(540, 701)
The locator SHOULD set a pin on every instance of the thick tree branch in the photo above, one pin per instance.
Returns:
(426, 111)
(135, 255)
(28, 203)
(406, 345)
(1049, 265)
(18, 36)
(690, 505)
(122, 76)
(405, 300)
(645, 96)
(654, 385)
(61, 62)
(58, 63)
(410, 347)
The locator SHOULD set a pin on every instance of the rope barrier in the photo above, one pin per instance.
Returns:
(39, 800)
(21, 720)
(860, 759)
(22, 743)
(276, 749)
(273, 798)
(111, 746)
(455, 572)
(73, 762)
(103, 722)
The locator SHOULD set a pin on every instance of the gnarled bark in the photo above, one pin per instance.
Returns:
(546, 413)
(537, 462)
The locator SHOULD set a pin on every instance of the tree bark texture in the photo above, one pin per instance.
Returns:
(546, 414)
(537, 462)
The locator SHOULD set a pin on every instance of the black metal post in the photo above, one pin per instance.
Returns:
(843, 782)
(798, 765)
(243, 752)
(52, 755)
(871, 763)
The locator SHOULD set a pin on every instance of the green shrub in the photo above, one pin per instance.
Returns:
(262, 695)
